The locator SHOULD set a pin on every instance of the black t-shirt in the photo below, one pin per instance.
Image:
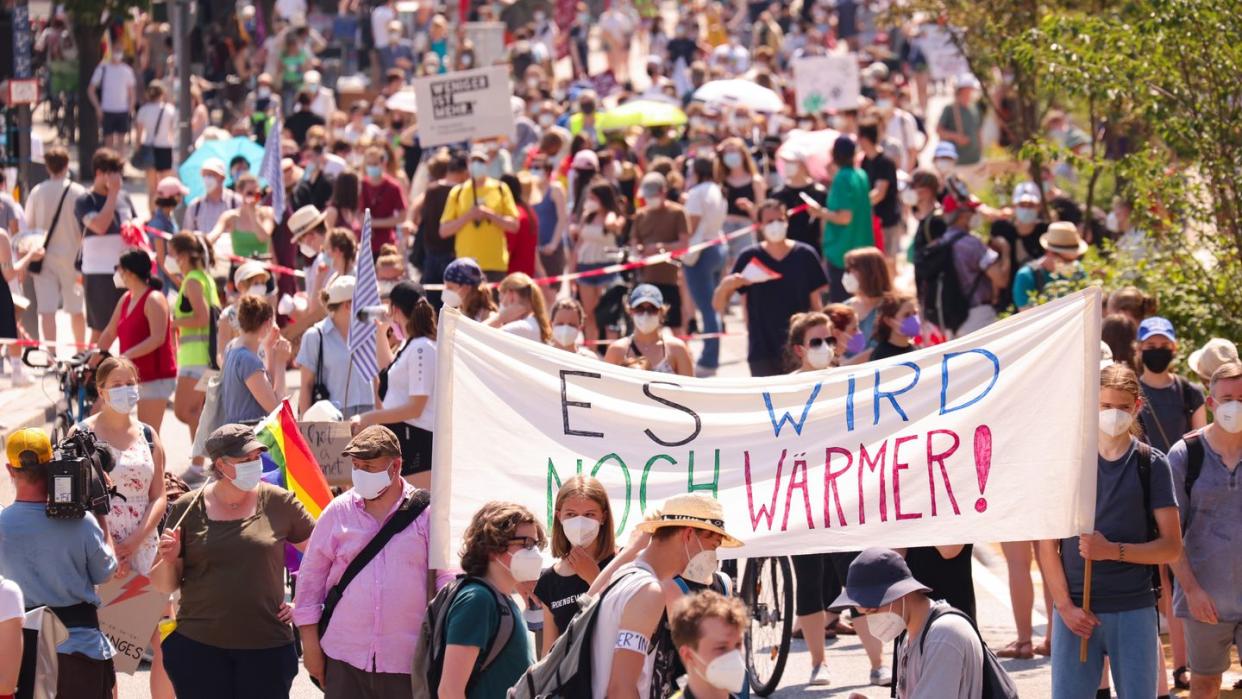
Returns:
(887, 349)
(1022, 248)
(950, 580)
(769, 305)
(299, 123)
(802, 227)
(882, 168)
(559, 594)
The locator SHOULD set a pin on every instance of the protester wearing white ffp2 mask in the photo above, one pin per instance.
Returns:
(1205, 597)
(650, 347)
(707, 629)
(942, 653)
(1121, 623)
(372, 603)
(500, 552)
(583, 541)
(225, 551)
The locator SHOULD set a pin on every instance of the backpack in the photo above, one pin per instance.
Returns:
(429, 659)
(940, 292)
(566, 670)
(1194, 460)
(996, 682)
(1041, 277)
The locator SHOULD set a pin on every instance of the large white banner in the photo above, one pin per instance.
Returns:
(944, 59)
(988, 438)
(464, 105)
(826, 82)
(488, 39)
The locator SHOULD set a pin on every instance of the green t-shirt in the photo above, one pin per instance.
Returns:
(964, 121)
(850, 190)
(472, 621)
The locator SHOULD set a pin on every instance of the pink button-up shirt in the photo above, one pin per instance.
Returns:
(376, 625)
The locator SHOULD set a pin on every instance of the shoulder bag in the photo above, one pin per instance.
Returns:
(36, 266)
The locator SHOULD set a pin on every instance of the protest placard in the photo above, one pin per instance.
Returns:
(131, 608)
(326, 441)
(488, 39)
(991, 437)
(944, 59)
(464, 105)
(826, 82)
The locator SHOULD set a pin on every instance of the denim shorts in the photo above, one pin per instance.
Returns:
(159, 389)
(191, 372)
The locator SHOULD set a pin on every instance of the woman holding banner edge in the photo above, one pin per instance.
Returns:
(1122, 621)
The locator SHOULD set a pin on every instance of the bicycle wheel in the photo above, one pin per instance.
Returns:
(767, 589)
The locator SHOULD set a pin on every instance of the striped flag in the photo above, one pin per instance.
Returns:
(269, 169)
(366, 293)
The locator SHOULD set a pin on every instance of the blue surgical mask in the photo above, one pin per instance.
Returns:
(374, 172)
(123, 399)
(478, 169)
(1025, 216)
(249, 473)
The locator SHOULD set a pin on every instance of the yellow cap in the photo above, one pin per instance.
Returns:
(31, 439)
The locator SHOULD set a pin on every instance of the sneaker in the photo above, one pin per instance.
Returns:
(703, 372)
(881, 677)
(819, 676)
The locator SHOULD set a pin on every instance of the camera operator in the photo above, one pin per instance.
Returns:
(57, 563)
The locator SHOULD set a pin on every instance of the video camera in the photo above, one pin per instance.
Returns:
(77, 478)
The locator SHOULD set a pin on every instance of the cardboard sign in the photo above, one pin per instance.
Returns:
(944, 60)
(464, 105)
(942, 445)
(489, 42)
(826, 82)
(130, 611)
(326, 441)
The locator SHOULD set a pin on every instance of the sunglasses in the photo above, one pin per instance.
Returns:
(817, 342)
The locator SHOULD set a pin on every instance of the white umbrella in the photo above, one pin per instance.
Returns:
(402, 101)
(740, 93)
(814, 148)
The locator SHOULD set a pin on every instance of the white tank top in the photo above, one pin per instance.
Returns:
(608, 623)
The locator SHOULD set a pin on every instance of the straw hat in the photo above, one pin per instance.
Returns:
(1216, 353)
(304, 220)
(691, 510)
(1062, 237)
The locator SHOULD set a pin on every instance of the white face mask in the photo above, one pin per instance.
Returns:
(123, 399)
(117, 280)
(450, 298)
(850, 283)
(886, 626)
(249, 473)
(819, 357)
(580, 530)
(307, 250)
(565, 335)
(1228, 416)
(525, 565)
(702, 566)
(1114, 422)
(590, 206)
(211, 184)
(774, 231)
(944, 166)
(727, 672)
(370, 485)
(909, 197)
(646, 322)
(171, 267)
(257, 290)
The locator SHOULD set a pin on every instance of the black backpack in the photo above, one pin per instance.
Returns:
(940, 292)
(429, 659)
(996, 682)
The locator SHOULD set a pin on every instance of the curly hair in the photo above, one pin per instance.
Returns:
(489, 533)
(685, 619)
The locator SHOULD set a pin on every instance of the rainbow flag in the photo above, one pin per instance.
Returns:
(289, 463)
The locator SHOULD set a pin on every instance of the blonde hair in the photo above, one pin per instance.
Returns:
(1119, 377)
(521, 284)
(685, 619)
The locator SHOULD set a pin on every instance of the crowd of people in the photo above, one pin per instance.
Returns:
(895, 234)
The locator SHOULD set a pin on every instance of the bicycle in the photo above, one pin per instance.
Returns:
(768, 591)
(76, 379)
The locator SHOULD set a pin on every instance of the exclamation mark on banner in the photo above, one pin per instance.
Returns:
(983, 462)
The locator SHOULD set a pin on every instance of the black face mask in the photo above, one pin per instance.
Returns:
(1157, 360)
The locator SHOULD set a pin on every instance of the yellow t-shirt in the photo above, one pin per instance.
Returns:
(482, 240)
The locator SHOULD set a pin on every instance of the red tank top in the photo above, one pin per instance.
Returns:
(133, 329)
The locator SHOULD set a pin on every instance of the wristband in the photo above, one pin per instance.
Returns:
(1121, 552)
